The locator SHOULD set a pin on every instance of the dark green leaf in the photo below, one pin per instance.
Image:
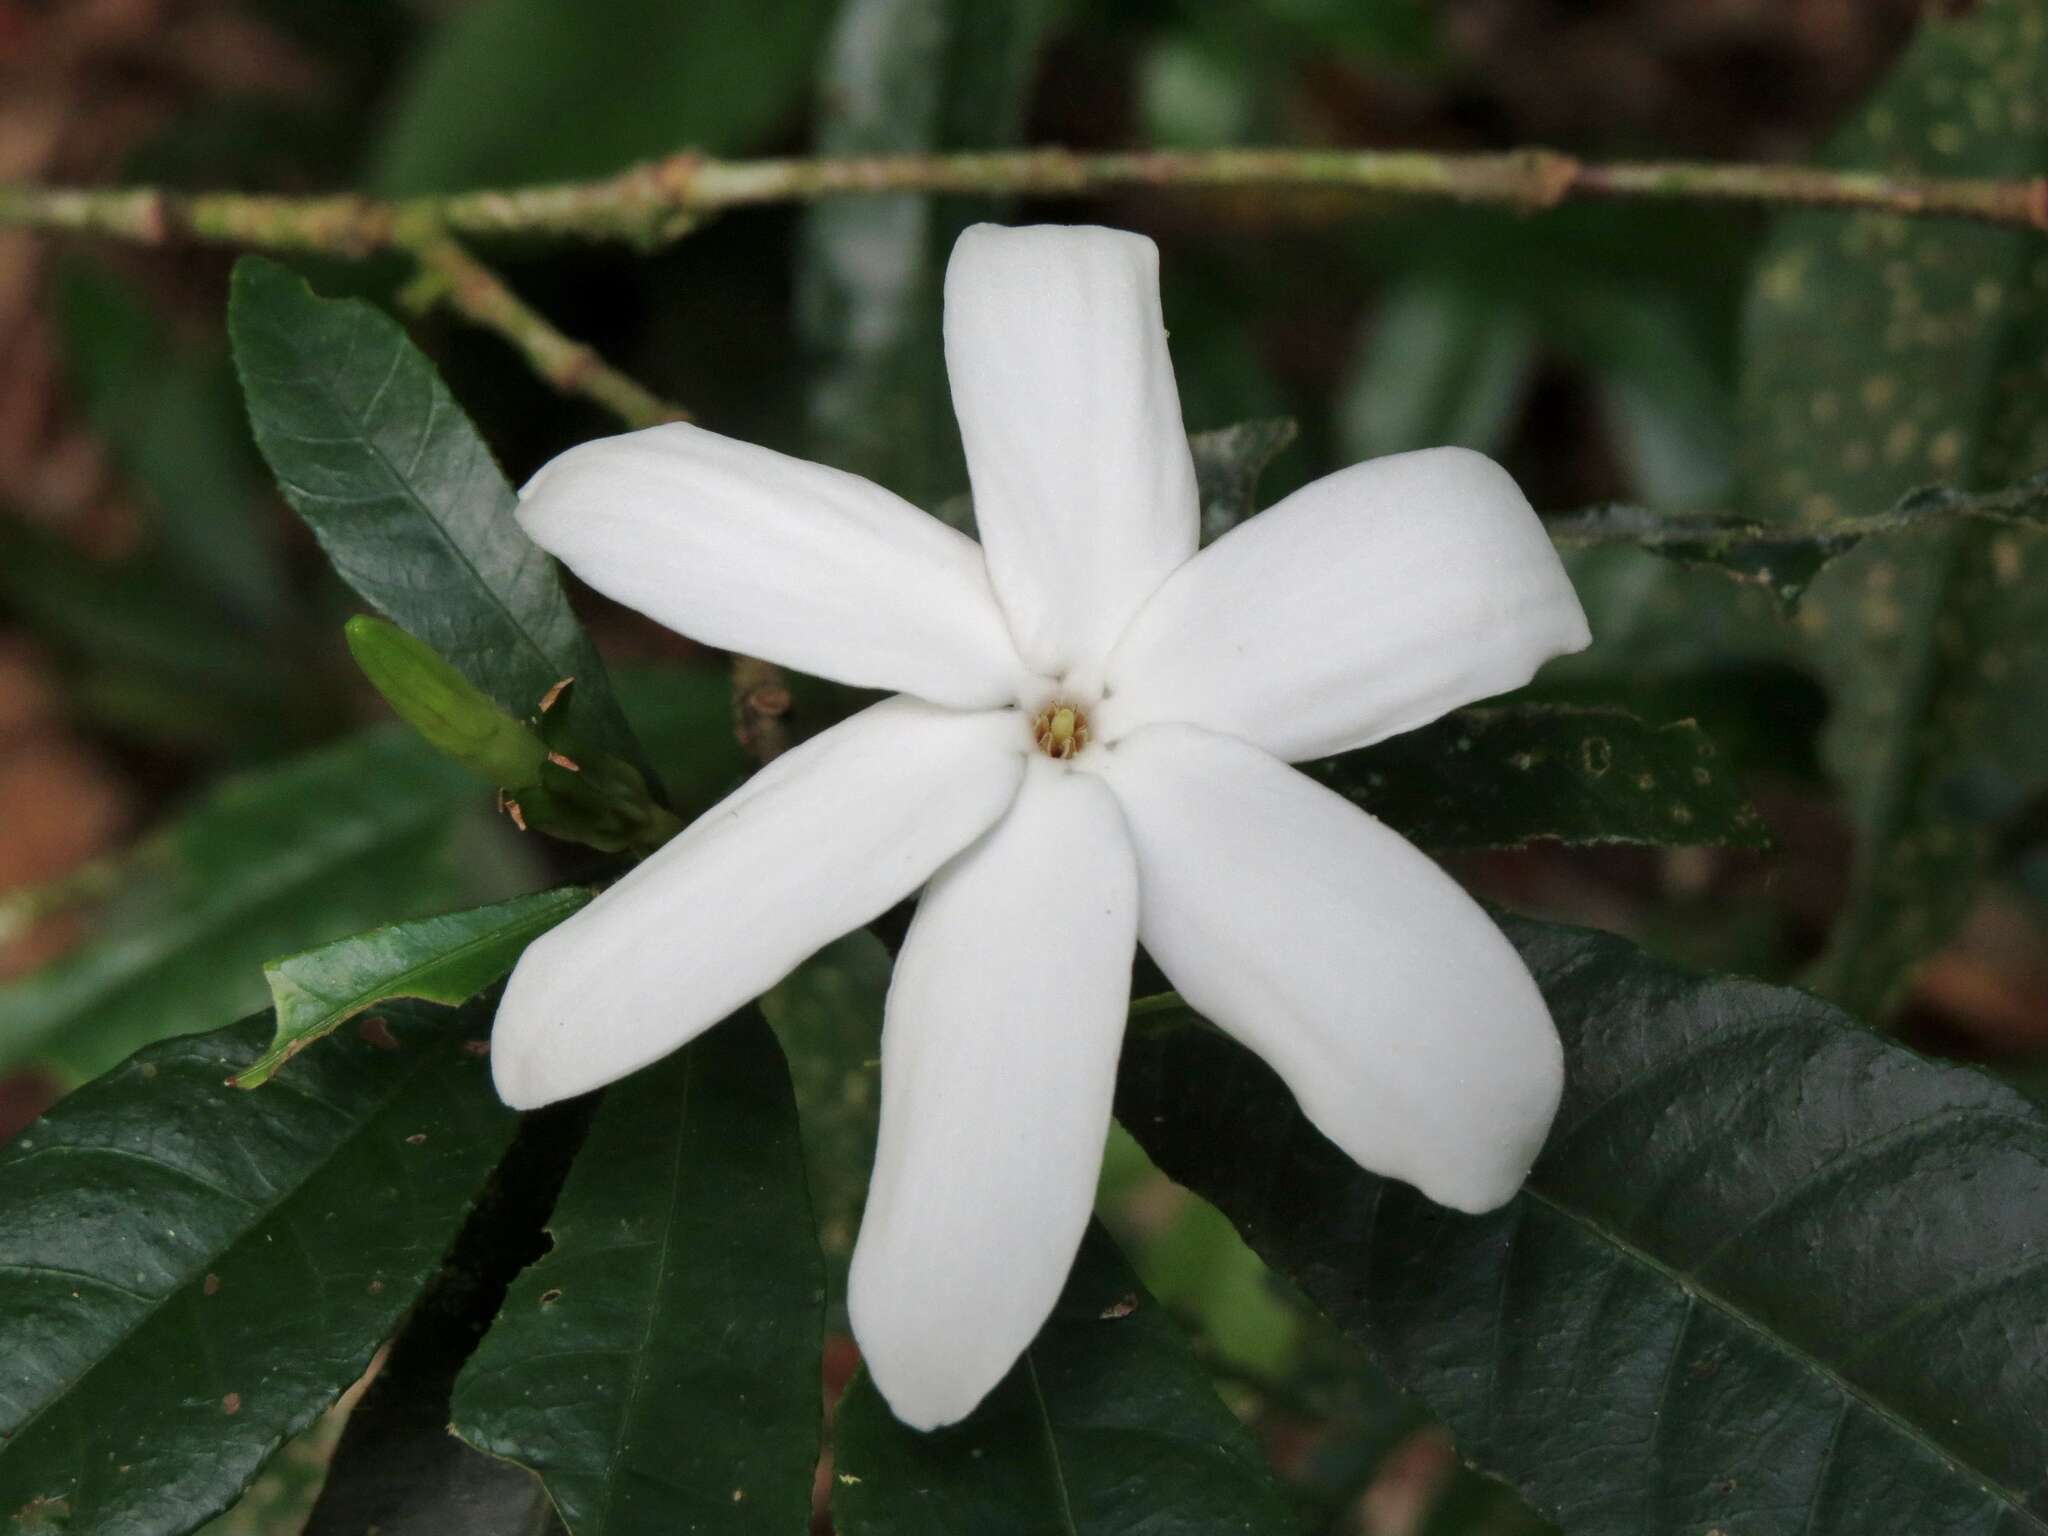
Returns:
(827, 1015)
(683, 718)
(1441, 363)
(1523, 773)
(1228, 463)
(901, 77)
(1884, 352)
(173, 423)
(373, 452)
(274, 861)
(1783, 559)
(445, 959)
(397, 1470)
(1108, 1424)
(189, 1274)
(142, 658)
(517, 91)
(660, 1367)
(1772, 1274)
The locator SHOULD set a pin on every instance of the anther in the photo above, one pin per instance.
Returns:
(1060, 730)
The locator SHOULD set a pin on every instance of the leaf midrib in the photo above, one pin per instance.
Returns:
(340, 1011)
(1849, 1391)
(636, 1381)
(259, 1214)
(364, 435)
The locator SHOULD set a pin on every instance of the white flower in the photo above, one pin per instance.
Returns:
(1089, 751)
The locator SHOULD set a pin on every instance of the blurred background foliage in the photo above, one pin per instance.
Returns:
(184, 796)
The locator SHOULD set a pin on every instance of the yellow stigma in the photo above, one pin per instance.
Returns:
(1060, 730)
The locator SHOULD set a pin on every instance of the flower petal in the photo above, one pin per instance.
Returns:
(1400, 1016)
(751, 550)
(1363, 605)
(825, 838)
(1084, 488)
(999, 1053)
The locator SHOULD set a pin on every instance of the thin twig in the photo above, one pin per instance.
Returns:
(454, 277)
(658, 202)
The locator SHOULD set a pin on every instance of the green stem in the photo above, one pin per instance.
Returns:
(660, 201)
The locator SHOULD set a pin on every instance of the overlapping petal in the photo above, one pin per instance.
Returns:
(1400, 1016)
(827, 837)
(753, 551)
(1084, 489)
(1363, 605)
(999, 1054)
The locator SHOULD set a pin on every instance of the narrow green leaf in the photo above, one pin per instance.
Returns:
(1772, 1274)
(1108, 1424)
(509, 92)
(660, 1367)
(142, 659)
(1441, 362)
(373, 452)
(445, 959)
(188, 1275)
(172, 420)
(1523, 773)
(1881, 353)
(375, 828)
(901, 77)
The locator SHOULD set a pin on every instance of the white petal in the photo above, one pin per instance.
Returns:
(1400, 1016)
(999, 1053)
(825, 838)
(1361, 606)
(1084, 489)
(753, 551)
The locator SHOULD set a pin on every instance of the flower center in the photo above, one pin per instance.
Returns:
(1060, 730)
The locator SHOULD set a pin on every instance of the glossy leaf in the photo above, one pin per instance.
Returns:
(827, 1015)
(1108, 1424)
(901, 77)
(511, 92)
(445, 959)
(397, 1471)
(1523, 773)
(373, 829)
(373, 452)
(1772, 1273)
(1882, 353)
(188, 1274)
(660, 1367)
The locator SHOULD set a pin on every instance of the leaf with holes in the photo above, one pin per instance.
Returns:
(1523, 773)
(659, 1367)
(1884, 352)
(189, 1274)
(373, 452)
(1108, 1424)
(1772, 1273)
